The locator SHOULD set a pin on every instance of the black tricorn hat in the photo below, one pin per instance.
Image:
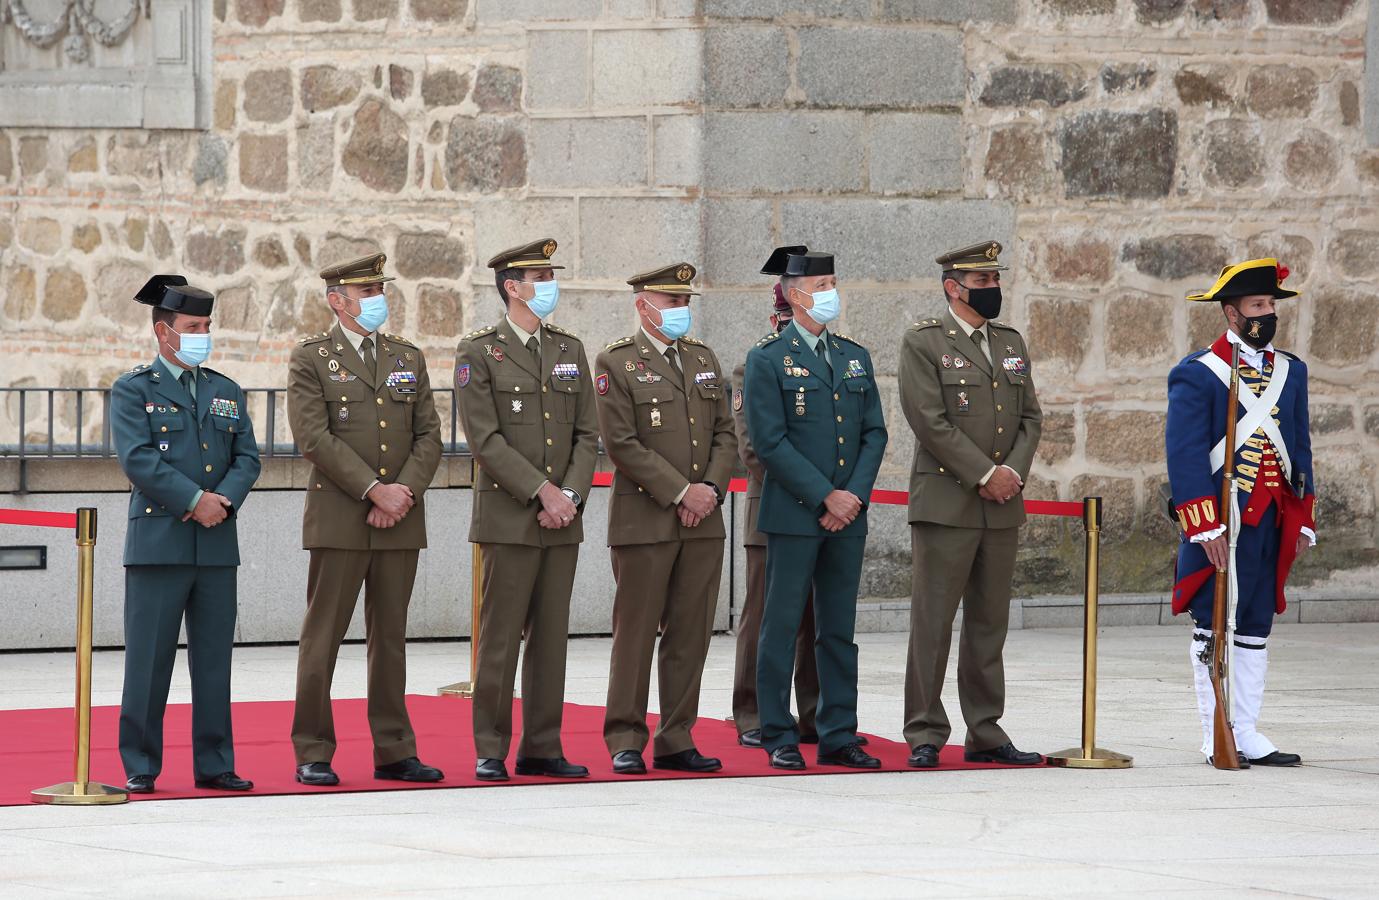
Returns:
(807, 264)
(171, 292)
(1255, 276)
(775, 263)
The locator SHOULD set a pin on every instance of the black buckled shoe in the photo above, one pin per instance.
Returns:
(1006, 754)
(925, 756)
(489, 769)
(139, 784)
(1278, 758)
(850, 755)
(226, 781)
(554, 767)
(628, 762)
(787, 757)
(690, 760)
(317, 774)
(750, 738)
(409, 769)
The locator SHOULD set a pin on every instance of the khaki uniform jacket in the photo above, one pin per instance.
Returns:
(752, 537)
(966, 418)
(526, 424)
(356, 429)
(662, 436)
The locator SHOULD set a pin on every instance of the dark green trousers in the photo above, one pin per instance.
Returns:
(157, 598)
(833, 567)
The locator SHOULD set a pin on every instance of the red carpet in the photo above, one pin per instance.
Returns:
(37, 750)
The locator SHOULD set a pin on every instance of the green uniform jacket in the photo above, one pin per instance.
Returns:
(813, 435)
(752, 536)
(966, 418)
(662, 437)
(526, 424)
(356, 428)
(169, 452)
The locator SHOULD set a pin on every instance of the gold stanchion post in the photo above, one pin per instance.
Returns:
(1089, 755)
(466, 688)
(81, 791)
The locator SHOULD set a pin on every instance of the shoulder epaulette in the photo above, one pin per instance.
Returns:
(768, 339)
(399, 339)
(925, 323)
(690, 340)
(995, 324)
(620, 342)
(487, 329)
(139, 368)
(1290, 354)
(558, 330)
(1195, 353)
(848, 338)
(314, 338)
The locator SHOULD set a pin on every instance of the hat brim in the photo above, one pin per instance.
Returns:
(978, 267)
(1208, 297)
(672, 289)
(360, 279)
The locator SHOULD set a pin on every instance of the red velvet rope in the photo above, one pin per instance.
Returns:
(38, 518)
(901, 498)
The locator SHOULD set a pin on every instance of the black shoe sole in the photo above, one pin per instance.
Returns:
(492, 778)
(789, 767)
(692, 771)
(635, 770)
(983, 758)
(846, 765)
(301, 780)
(542, 772)
(384, 776)
(138, 790)
(925, 764)
(207, 786)
(1273, 765)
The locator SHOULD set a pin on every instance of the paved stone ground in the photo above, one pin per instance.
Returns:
(1169, 826)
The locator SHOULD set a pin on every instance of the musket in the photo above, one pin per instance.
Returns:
(1224, 754)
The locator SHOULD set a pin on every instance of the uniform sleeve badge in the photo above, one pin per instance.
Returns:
(462, 375)
(601, 383)
(737, 400)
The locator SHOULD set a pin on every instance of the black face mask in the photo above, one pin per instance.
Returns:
(1258, 331)
(985, 302)
(783, 322)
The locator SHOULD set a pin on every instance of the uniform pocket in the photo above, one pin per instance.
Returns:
(517, 399)
(655, 412)
(959, 391)
(566, 399)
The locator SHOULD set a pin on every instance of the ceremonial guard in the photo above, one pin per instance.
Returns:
(184, 440)
(745, 716)
(527, 402)
(968, 393)
(664, 411)
(1273, 473)
(360, 406)
(818, 429)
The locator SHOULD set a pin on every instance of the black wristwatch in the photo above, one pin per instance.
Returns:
(717, 491)
(574, 497)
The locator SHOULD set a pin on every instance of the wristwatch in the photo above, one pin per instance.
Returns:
(717, 491)
(574, 498)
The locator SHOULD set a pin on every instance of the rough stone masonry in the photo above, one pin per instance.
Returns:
(1121, 149)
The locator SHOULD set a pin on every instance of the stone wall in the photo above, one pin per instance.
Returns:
(1121, 149)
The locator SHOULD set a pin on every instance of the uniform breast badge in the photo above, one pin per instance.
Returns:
(854, 369)
(947, 361)
(1015, 365)
(799, 402)
(655, 417)
(344, 414)
(333, 365)
(629, 366)
(163, 445)
(517, 406)
(959, 362)
(963, 402)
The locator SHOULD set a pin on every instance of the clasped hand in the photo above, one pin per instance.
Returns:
(699, 501)
(210, 510)
(391, 502)
(557, 510)
(1003, 484)
(841, 510)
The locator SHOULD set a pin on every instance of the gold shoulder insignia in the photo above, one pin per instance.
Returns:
(849, 338)
(139, 368)
(398, 339)
(924, 323)
(620, 342)
(558, 330)
(313, 338)
(689, 340)
(487, 329)
(1003, 325)
(768, 339)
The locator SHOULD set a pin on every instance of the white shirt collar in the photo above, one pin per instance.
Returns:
(355, 339)
(968, 329)
(661, 346)
(813, 340)
(522, 336)
(1252, 356)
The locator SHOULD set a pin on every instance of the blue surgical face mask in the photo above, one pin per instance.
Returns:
(826, 306)
(373, 312)
(193, 349)
(675, 322)
(543, 300)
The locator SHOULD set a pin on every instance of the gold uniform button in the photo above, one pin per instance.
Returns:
(549, 442)
(382, 424)
(840, 440)
(842, 462)
(383, 447)
(691, 420)
(548, 470)
(383, 470)
(147, 510)
(517, 389)
(999, 407)
(836, 397)
(318, 485)
(962, 381)
(543, 389)
(840, 418)
(205, 446)
(495, 485)
(694, 443)
(208, 467)
(995, 384)
(1249, 509)
(1000, 430)
(344, 399)
(940, 470)
(998, 454)
(640, 489)
(547, 415)
(164, 428)
(695, 466)
(379, 400)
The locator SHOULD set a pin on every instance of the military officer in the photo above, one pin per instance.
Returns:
(749, 626)
(185, 443)
(527, 402)
(1273, 473)
(664, 412)
(968, 393)
(816, 423)
(359, 403)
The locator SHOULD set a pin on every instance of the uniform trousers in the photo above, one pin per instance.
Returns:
(745, 715)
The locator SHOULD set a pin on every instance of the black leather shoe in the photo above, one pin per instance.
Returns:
(690, 760)
(555, 767)
(488, 769)
(787, 757)
(628, 762)
(925, 756)
(139, 784)
(317, 774)
(1005, 754)
(750, 738)
(861, 740)
(852, 756)
(1278, 758)
(409, 769)
(226, 781)
(1244, 763)
(809, 739)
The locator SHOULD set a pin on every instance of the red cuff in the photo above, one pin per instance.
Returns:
(1198, 516)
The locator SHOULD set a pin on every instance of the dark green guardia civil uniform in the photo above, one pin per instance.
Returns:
(179, 432)
(816, 426)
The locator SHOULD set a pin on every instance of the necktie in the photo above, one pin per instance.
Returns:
(826, 367)
(188, 380)
(535, 349)
(977, 338)
(674, 365)
(366, 351)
